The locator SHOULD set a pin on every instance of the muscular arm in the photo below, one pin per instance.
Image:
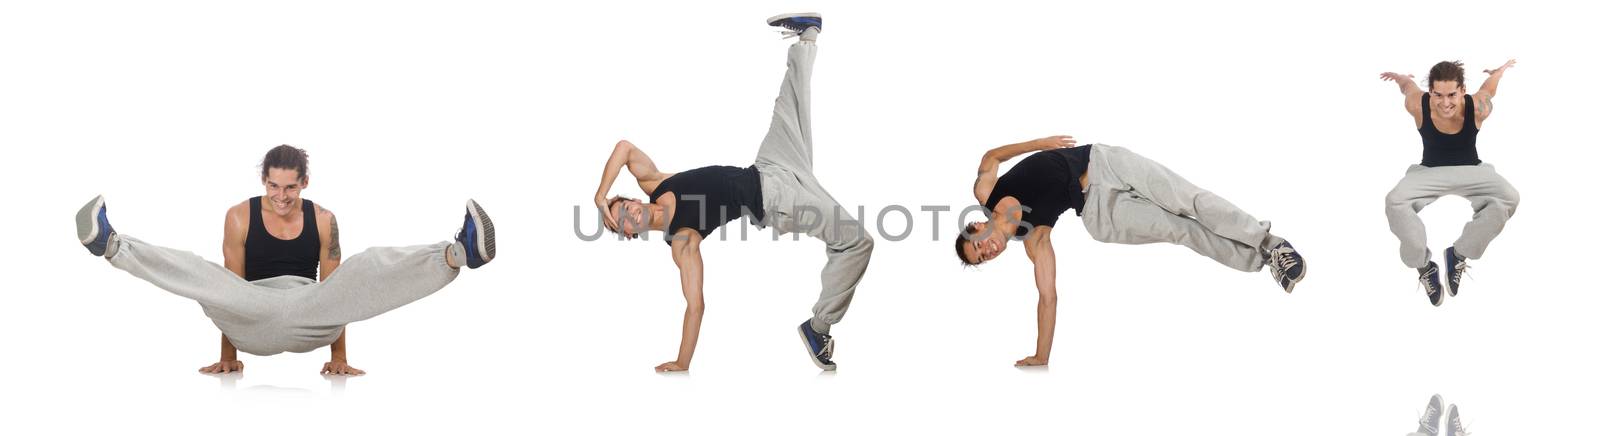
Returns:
(329, 257)
(1413, 94)
(644, 171)
(1044, 277)
(686, 253)
(1484, 99)
(235, 227)
(989, 167)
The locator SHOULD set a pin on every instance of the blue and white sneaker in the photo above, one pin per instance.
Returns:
(1453, 425)
(1429, 278)
(797, 23)
(1428, 424)
(1455, 266)
(94, 230)
(1286, 264)
(819, 346)
(476, 236)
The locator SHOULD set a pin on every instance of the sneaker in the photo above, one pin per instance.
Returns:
(797, 23)
(94, 230)
(1453, 425)
(1428, 424)
(1455, 265)
(819, 346)
(476, 236)
(1288, 267)
(1429, 278)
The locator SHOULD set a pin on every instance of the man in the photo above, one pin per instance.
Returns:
(1123, 198)
(267, 299)
(779, 190)
(1448, 119)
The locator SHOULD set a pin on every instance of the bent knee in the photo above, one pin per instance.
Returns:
(857, 243)
(1397, 199)
(1511, 197)
(864, 243)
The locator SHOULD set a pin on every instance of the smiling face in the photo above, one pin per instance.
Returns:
(631, 217)
(977, 244)
(1446, 97)
(1446, 88)
(283, 190)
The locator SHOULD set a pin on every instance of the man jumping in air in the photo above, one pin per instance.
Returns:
(1448, 119)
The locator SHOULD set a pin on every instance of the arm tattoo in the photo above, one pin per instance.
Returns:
(333, 244)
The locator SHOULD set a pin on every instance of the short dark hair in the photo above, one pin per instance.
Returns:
(969, 229)
(285, 157)
(1447, 71)
(612, 203)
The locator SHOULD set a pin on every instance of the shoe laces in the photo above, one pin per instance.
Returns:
(1430, 420)
(1457, 428)
(460, 232)
(827, 348)
(1459, 270)
(790, 32)
(1424, 282)
(1282, 258)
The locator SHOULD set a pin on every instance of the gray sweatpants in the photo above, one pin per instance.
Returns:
(796, 203)
(1492, 197)
(1134, 200)
(291, 313)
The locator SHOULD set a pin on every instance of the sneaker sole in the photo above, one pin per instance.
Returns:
(480, 219)
(776, 18)
(806, 343)
(88, 220)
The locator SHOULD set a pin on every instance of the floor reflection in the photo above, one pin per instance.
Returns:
(230, 382)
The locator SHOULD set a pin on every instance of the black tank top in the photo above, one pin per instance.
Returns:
(266, 256)
(1442, 150)
(1046, 183)
(728, 193)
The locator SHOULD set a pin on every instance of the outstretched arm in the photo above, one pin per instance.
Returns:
(1413, 93)
(1484, 99)
(643, 169)
(1044, 277)
(686, 253)
(989, 167)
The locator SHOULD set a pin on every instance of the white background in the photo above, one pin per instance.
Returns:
(408, 109)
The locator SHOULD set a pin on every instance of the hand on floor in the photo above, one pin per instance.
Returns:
(672, 366)
(340, 368)
(1033, 361)
(224, 367)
